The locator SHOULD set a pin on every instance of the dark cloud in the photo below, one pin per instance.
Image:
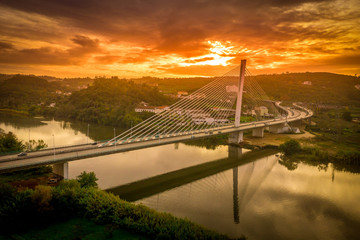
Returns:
(77, 54)
(173, 26)
(4, 45)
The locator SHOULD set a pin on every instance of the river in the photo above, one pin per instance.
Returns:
(261, 199)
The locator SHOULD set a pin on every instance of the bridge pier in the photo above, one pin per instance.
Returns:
(61, 169)
(258, 132)
(236, 137)
(296, 124)
(276, 128)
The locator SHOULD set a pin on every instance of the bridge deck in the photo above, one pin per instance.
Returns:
(13, 162)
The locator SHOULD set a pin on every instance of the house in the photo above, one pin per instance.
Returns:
(307, 83)
(262, 110)
(151, 109)
(181, 94)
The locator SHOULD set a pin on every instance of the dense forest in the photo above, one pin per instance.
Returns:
(110, 101)
(29, 94)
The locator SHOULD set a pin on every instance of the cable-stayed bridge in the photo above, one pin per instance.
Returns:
(231, 104)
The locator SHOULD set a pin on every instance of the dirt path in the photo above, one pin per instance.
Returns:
(276, 139)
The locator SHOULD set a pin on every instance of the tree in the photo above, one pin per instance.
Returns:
(9, 142)
(87, 180)
(346, 116)
(290, 147)
(34, 145)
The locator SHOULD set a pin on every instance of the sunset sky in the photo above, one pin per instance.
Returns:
(172, 38)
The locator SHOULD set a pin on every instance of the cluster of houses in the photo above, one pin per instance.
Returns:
(199, 116)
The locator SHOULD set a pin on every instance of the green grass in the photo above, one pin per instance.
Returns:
(25, 174)
(76, 228)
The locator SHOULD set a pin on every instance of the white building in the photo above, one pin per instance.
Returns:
(307, 83)
(181, 94)
(151, 109)
(262, 110)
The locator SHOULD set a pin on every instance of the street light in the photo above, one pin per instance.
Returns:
(131, 123)
(87, 139)
(115, 138)
(54, 145)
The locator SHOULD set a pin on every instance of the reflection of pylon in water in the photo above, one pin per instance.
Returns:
(235, 196)
(247, 193)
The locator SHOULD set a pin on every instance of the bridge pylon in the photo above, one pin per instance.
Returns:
(237, 137)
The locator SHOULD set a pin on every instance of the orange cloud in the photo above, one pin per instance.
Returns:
(179, 37)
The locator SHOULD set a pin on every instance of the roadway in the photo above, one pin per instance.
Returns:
(71, 153)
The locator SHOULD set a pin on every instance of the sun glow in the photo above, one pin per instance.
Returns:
(219, 54)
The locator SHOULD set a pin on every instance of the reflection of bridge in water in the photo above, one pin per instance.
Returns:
(212, 110)
(208, 177)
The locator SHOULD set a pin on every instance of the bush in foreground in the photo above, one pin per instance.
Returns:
(70, 199)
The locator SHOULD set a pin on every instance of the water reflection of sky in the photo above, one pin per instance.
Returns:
(63, 133)
(118, 169)
(273, 203)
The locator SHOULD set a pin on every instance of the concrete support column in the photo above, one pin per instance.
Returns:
(295, 124)
(236, 137)
(275, 128)
(258, 132)
(61, 169)
(235, 153)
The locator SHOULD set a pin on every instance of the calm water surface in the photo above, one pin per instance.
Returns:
(260, 200)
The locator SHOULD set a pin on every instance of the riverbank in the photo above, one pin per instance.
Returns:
(15, 112)
(277, 139)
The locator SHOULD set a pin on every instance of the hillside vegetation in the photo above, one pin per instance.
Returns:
(325, 88)
(110, 101)
(28, 93)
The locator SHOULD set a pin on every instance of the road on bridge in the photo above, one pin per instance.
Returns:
(71, 153)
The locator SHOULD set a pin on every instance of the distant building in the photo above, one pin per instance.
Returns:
(83, 87)
(59, 92)
(52, 105)
(151, 109)
(181, 94)
(357, 87)
(262, 110)
(307, 83)
(231, 88)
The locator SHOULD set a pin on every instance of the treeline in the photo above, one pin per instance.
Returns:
(10, 143)
(318, 88)
(29, 94)
(294, 153)
(110, 102)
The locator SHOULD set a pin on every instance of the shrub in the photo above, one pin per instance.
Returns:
(87, 179)
(346, 116)
(290, 147)
(41, 198)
